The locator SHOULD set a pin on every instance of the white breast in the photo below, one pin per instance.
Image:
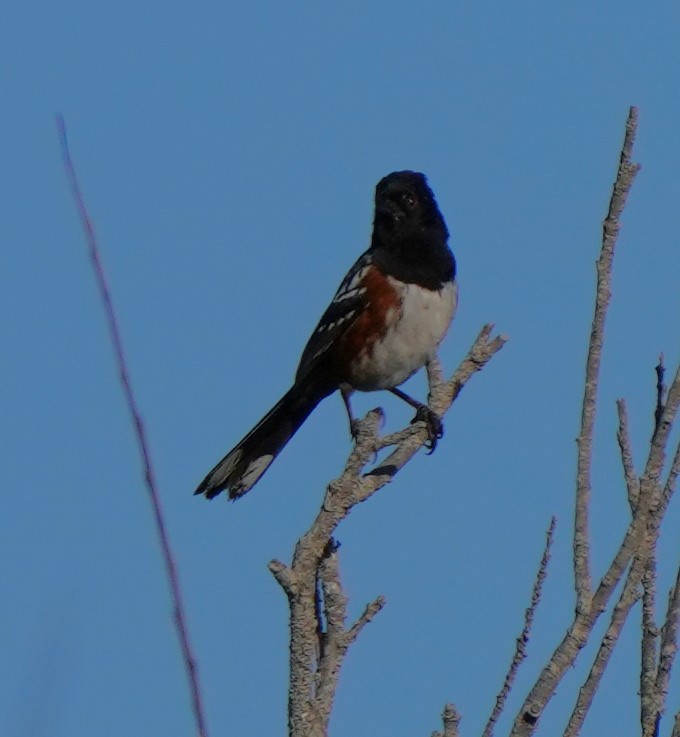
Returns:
(412, 337)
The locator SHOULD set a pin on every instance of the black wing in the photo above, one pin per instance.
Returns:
(348, 303)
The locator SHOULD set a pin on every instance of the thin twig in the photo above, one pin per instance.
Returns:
(610, 231)
(366, 617)
(660, 370)
(589, 606)
(523, 639)
(623, 438)
(450, 720)
(335, 612)
(628, 598)
(669, 643)
(672, 478)
(657, 457)
(648, 641)
(656, 497)
(140, 433)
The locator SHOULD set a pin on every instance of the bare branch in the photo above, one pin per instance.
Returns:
(669, 486)
(139, 429)
(660, 370)
(623, 438)
(648, 642)
(450, 719)
(314, 668)
(657, 457)
(366, 617)
(284, 576)
(668, 647)
(628, 598)
(333, 638)
(523, 639)
(589, 606)
(624, 180)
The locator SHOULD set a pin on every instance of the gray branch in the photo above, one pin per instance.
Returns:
(590, 605)
(319, 638)
(450, 720)
(610, 231)
(523, 639)
(623, 438)
(629, 596)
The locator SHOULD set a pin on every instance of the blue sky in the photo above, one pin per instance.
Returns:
(228, 153)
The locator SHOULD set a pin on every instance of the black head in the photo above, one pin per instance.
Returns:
(410, 237)
(406, 207)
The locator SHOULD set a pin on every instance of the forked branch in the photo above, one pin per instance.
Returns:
(318, 648)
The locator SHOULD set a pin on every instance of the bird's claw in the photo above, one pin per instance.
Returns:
(434, 425)
(354, 427)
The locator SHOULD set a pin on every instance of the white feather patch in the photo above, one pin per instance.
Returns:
(412, 337)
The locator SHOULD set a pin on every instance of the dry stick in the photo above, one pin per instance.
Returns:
(624, 180)
(139, 430)
(336, 638)
(313, 680)
(651, 707)
(335, 611)
(450, 719)
(648, 642)
(669, 643)
(672, 477)
(657, 456)
(623, 438)
(660, 391)
(639, 541)
(649, 495)
(651, 699)
(588, 606)
(523, 639)
(628, 598)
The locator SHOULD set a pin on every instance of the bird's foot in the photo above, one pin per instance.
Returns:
(434, 425)
(354, 428)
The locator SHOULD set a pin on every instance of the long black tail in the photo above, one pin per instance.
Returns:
(243, 466)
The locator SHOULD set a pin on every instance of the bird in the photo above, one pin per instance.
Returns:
(385, 322)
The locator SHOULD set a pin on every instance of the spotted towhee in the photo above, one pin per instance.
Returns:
(385, 322)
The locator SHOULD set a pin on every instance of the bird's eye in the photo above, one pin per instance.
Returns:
(408, 200)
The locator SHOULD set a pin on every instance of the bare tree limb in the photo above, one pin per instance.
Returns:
(334, 638)
(523, 639)
(639, 541)
(624, 180)
(672, 478)
(588, 605)
(629, 596)
(623, 438)
(450, 719)
(669, 645)
(314, 669)
(657, 456)
(648, 641)
(660, 392)
(366, 617)
(171, 573)
(650, 705)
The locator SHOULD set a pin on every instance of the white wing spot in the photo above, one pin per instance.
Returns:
(349, 294)
(350, 287)
(255, 469)
(330, 325)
